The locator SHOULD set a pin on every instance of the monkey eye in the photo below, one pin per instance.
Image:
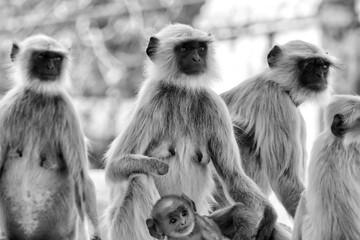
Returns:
(184, 213)
(57, 58)
(183, 49)
(326, 66)
(173, 220)
(40, 56)
(202, 49)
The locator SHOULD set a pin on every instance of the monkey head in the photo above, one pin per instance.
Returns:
(172, 216)
(39, 59)
(342, 117)
(180, 53)
(305, 65)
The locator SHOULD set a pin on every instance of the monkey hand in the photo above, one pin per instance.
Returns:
(266, 224)
(157, 166)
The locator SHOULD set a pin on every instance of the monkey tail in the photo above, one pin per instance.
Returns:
(281, 232)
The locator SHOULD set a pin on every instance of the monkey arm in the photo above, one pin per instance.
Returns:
(130, 152)
(226, 160)
(279, 134)
(298, 220)
(120, 169)
(91, 207)
(282, 157)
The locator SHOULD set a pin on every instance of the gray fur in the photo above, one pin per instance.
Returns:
(330, 208)
(45, 189)
(179, 114)
(270, 130)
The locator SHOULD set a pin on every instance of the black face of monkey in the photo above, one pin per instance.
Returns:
(46, 65)
(314, 73)
(191, 57)
(174, 216)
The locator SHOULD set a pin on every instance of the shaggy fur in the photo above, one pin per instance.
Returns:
(180, 133)
(269, 128)
(45, 189)
(329, 208)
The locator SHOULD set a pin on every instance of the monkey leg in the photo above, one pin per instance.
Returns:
(128, 213)
(121, 169)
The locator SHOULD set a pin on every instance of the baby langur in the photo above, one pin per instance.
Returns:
(175, 217)
(45, 189)
(329, 209)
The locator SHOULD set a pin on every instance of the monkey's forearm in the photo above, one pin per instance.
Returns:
(91, 207)
(120, 169)
(288, 189)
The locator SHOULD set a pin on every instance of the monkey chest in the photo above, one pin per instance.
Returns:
(35, 201)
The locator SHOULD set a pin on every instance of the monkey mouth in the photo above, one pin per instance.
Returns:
(48, 77)
(184, 229)
(317, 87)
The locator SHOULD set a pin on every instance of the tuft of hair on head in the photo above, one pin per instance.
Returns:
(348, 107)
(162, 64)
(283, 63)
(20, 56)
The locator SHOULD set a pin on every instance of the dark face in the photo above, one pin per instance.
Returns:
(46, 65)
(314, 73)
(178, 222)
(191, 57)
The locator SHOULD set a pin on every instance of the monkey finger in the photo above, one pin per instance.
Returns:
(163, 168)
(158, 166)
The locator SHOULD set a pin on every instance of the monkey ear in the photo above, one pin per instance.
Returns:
(154, 229)
(152, 47)
(338, 126)
(273, 56)
(191, 202)
(14, 51)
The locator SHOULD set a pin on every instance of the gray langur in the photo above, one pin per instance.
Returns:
(45, 188)
(175, 217)
(180, 134)
(269, 128)
(329, 208)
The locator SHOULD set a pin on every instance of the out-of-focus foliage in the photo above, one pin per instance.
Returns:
(107, 39)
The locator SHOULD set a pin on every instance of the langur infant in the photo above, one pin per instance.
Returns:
(175, 217)
(330, 208)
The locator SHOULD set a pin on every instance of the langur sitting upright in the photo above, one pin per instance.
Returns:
(179, 134)
(45, 189)
(329, 208)
(175, 217)
(269, 128)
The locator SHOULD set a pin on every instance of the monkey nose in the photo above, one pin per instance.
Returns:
(196, 59)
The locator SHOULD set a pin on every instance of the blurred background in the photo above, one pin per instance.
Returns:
(108, 38)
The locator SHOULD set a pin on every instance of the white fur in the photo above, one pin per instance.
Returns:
(330, 208)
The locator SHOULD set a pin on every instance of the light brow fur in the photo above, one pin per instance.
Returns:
(329, 208)
(178, 112)
(38, 118)
(264, 110)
